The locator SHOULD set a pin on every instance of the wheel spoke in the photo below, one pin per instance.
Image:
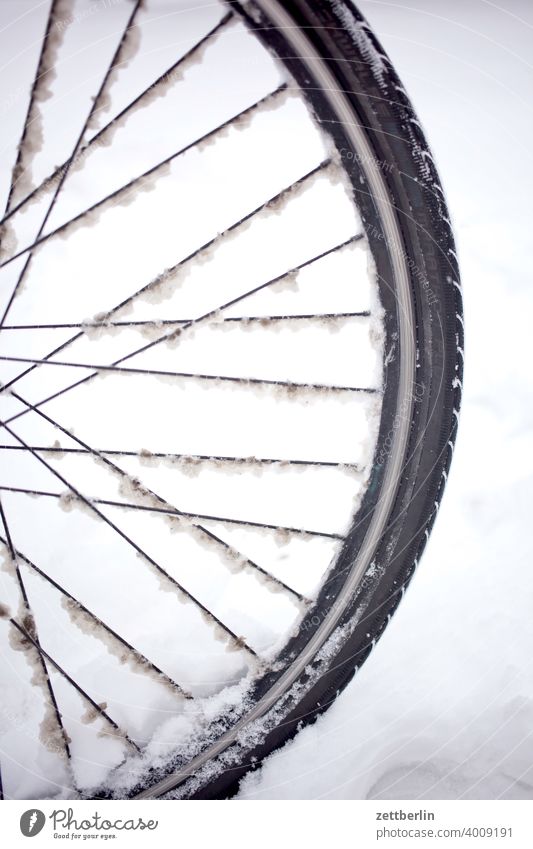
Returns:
(172, 511)
(163, 322)
(188, 460)
(293, 388)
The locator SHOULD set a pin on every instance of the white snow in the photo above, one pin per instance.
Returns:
(444, 706)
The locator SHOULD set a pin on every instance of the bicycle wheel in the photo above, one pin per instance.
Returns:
(251, 208)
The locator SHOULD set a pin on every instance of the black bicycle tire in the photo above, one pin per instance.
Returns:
(364, 73)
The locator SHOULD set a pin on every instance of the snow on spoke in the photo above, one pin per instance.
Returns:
(143, 182)
(76, 608)
(157, 324)
(60, 738)
(324, 317)
(293, 389)
(178, 514)
(220, 629)
(190, 462)
(213, 314)
(26, 636)
(39, 238)
(31, 140)
(155, 89)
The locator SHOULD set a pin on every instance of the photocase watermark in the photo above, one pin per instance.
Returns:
(375, 233)
(60, 25)
(59, 175)
(63, 819)
(32, 822)
(372, 574)
(14, 97)
(97, 6)
(65, 825)
(319, 615)
(402, 414)
(353, 156)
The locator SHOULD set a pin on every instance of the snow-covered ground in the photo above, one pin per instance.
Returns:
(444, 706)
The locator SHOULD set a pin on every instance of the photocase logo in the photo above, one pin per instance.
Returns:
(32, 822)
